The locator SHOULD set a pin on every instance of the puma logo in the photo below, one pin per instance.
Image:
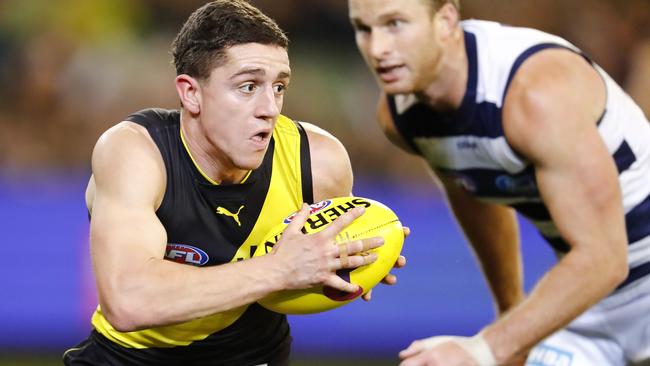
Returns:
(235, 216)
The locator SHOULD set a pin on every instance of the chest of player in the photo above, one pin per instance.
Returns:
(208, 224)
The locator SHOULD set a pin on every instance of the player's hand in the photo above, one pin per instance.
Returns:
(310, 260)
(390, 278)
(448, 351)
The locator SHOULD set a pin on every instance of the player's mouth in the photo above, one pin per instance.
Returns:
(261, 138)
(390, 74)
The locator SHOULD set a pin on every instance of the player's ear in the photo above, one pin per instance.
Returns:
(188, 91)
(446, 21)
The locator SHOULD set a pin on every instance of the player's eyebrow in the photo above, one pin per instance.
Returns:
(358, 23)
(258, 72)
(253, 71)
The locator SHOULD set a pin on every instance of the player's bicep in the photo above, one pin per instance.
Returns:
(550, 118)
(124, 229)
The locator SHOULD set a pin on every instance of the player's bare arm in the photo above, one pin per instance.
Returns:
(550, 116)
(493, 233)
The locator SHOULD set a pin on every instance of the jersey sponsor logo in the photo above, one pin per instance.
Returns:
(517, 185)
(544, 355)
(313, 208)
(186, 254)
(466, 145)
(235, 216)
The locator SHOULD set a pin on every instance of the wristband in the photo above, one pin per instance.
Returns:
(476, 346)
(480, 350)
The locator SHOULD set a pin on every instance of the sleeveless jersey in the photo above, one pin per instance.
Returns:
(469, 145)
(209, 224)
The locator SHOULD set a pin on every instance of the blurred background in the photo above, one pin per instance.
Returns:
(72, 68)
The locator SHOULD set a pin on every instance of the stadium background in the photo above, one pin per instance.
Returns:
(70, 69)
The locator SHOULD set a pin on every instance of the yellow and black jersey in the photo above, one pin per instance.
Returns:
(209, 224)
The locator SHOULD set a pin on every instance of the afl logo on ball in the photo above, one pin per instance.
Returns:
(313, 208)
(186, 254)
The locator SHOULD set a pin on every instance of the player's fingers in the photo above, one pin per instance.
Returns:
(400, 262)
(342, 222)
(298, 220)
(351, 261)
(359, 246)
(340, 284)
(390, 279)
(413, 349)
(355, 261)
(367, 296)
(407, 231)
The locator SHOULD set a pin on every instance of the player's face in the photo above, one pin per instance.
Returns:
(397, 41)
(241, 102)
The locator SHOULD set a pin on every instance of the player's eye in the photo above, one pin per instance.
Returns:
(361, 28)
(395, 23)
(279, 88)
(248, 87)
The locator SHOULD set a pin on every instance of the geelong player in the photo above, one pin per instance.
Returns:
(516, 119)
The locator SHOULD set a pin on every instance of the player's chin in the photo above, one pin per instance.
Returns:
(398, 87)
(251, 161)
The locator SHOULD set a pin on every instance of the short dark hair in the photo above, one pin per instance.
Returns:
(202, 42)
(437, 4)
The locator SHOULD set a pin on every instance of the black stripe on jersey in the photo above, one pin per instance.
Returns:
(637, 221)
(305, 166)
(624, 157)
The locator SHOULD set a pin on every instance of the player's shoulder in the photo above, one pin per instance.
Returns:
(330, 163)
(319, 135)
(124, 136)
(126, 147)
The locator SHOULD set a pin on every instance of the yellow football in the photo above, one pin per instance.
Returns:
(377, 220)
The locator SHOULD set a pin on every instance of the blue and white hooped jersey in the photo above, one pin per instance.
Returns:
(469, 144)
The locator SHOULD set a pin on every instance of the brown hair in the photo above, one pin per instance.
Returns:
(201, 44)
(437, 4)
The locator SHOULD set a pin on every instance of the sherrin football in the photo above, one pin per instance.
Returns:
(377, 220)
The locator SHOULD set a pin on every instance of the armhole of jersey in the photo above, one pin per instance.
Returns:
(531, 51)
(401, 129)
(305, 166)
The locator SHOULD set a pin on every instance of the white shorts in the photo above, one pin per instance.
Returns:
(614, 332)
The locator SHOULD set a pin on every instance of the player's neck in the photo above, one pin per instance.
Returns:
(211, 162)
(449, 84)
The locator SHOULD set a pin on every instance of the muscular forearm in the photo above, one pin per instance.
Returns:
(494, 235)
(162, 292)
(500, 262)
(578, 281)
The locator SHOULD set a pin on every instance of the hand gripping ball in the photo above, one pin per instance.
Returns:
(377, 220)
